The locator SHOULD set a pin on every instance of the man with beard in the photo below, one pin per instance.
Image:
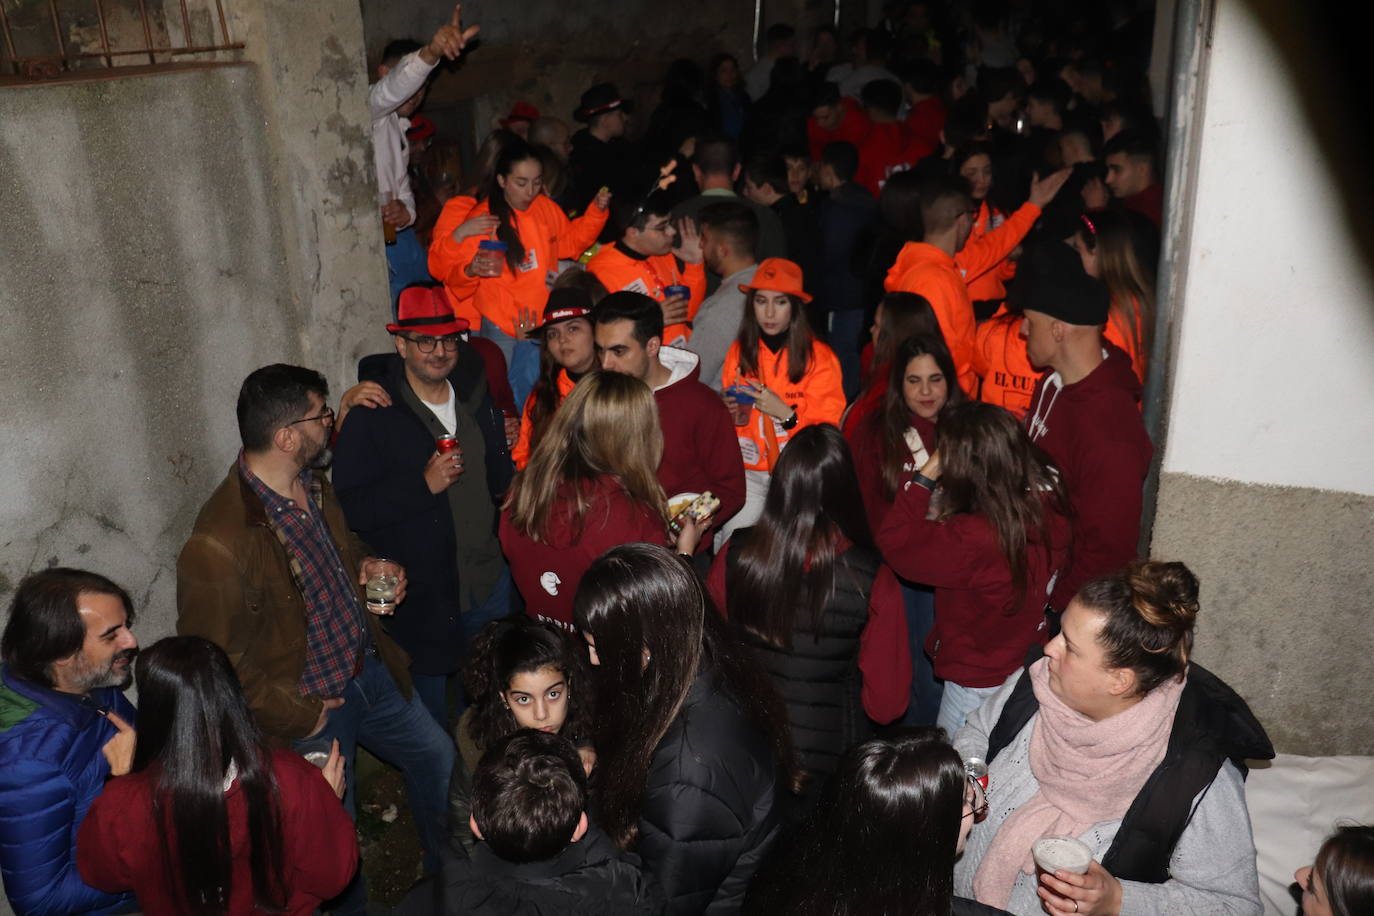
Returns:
(272, 575)
(433, 512)
(65, 728)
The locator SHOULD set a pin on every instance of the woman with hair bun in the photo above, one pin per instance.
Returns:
(1341, 881)
(1117, 738)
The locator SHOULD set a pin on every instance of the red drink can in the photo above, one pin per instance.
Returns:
(977, 770)
(445, 444)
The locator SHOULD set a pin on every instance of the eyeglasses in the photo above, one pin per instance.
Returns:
(977, 811)
(427, 344)
(327, 415)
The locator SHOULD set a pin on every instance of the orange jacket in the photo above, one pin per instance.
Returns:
(818, 398)
(934, 274)
(999, 358)
(982, 261)
(443, 255)
(547, 236)
(650, 276)
(520, 453)
(1135, 348)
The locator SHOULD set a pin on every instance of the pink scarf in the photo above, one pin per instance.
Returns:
(1089, 772)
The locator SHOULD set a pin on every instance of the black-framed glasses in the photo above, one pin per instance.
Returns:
(977, 811)
(426, 344)
(327, 415)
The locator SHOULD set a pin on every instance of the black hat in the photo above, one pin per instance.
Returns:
(565, 303)
(1051, 279)
(599, 99)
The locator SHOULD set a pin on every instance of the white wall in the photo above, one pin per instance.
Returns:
(1274, 371)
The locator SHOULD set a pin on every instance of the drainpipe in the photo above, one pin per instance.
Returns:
(1193, 21)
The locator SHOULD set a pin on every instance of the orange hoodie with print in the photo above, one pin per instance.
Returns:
(520, 453)
(547, 235)
(999, 359)
(443, 256)
(934, 274)
(621, 269)
(818, 398)
(982, 261)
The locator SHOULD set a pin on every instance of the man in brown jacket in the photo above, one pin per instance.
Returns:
(271, 573)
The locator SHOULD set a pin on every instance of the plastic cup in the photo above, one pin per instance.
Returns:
(675, 291)
(1061, 853)
(490, 253)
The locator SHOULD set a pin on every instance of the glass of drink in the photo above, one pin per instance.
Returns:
(388, 230)
(1060, 853)
(490, 253)
(381, 587)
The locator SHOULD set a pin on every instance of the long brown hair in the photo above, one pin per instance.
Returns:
(637, 598)
(1121, 267)
(544, 395)
(904, 316)
(799, 340)
(895, 417)
(785, 573)
(990, 467)
(513, 153)
(608, 426)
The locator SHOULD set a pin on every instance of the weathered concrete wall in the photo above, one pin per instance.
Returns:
(162, 236)
(143, 276)
(1267, 488)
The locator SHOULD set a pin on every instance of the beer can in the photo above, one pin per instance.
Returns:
(445, 444)
(977, 770)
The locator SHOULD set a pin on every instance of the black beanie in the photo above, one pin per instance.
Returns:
(1050, 279)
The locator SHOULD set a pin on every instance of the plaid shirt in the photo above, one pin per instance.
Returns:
(335, 629)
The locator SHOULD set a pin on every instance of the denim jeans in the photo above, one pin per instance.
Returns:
(401, 732)
(406, 263)
(958, 702)
(926, 691)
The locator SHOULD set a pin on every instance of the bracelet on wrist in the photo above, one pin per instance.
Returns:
(922, 480)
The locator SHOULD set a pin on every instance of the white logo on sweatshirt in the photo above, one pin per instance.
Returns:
(549, 581)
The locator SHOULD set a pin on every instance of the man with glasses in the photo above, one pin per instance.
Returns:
(658, 259)
(432, 510)
(272, 574)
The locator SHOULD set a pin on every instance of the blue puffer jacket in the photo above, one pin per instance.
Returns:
(51, 769)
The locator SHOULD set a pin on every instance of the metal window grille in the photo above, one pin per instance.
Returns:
(50, 38)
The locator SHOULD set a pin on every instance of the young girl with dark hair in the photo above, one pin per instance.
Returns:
(210, 822)
(884, 838)
(790, 379)
(520, 673)
(998, 538)
(535, 235)
(806, 590)
(692, 738)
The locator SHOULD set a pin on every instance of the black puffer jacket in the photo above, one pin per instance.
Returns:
(709, 813)
(588, 878)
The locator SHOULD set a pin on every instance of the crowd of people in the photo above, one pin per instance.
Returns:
(746, 520)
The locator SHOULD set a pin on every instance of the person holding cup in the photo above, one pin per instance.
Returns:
(777, 378)
(513, 268)
(1118, 740)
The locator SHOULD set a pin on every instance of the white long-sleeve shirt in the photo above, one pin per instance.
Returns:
(389, 145)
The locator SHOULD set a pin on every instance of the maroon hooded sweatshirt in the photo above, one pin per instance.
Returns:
(981, 631)
(1093, 431)
(700, 448)
(547, 572)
